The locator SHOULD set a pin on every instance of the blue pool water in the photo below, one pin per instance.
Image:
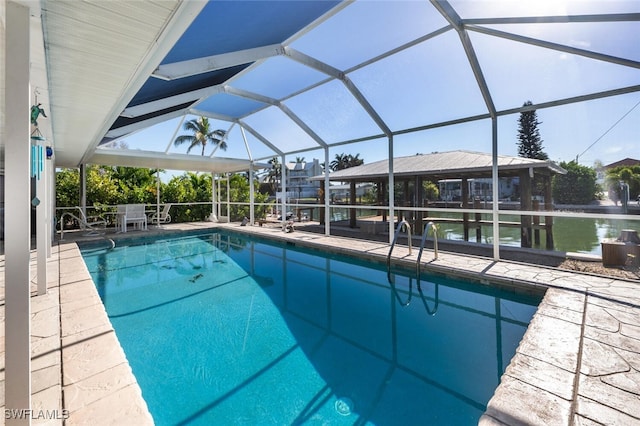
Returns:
(220, 329)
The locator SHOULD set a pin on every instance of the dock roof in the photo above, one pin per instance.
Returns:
(445, 165)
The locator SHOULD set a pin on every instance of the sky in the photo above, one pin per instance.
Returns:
(432, 82)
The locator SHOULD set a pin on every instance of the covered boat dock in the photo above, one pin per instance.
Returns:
(412, 171)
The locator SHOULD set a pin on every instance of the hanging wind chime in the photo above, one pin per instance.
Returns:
(37, 149)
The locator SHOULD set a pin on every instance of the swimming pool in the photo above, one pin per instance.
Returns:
(221, 329)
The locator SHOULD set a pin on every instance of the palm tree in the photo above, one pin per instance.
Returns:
(354, 161)
(339, 163)
(202, 134)
(273, 176)
(344, 161)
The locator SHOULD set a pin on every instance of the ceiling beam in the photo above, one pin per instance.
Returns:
(572, 100)
(209, 114)
(260, 137)
(197, 66)
(139, 125)
(613, 17)
(250, 95)
(339, 75)
(454, 19)
(312, 62)
(555, 46)
(171, 101)
(271, 101)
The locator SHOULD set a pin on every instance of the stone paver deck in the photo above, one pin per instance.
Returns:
(578, 363)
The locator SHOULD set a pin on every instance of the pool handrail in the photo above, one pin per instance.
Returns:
(389, 275)
(429, 225)
(395, 238)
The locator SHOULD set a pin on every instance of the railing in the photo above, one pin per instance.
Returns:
(434, 228)
(390, 276)
(395, 238)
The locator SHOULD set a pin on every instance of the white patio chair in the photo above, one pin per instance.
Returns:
(92, 225)
(164, 216)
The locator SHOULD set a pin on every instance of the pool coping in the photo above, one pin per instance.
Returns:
(578, 361)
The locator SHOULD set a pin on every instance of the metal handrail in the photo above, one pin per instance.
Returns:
(422, 243)
(432, 226)
(395, 238)
(389, 275)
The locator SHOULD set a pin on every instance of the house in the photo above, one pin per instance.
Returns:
(298, 183)
(624, 162)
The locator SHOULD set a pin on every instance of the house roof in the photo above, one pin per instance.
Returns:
(624, 162)
(444, 165)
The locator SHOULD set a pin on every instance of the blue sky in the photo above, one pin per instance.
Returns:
(433, 82)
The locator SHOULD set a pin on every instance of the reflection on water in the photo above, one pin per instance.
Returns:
(580, 235)
(570, 234)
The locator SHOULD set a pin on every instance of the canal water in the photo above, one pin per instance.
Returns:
(580, 235)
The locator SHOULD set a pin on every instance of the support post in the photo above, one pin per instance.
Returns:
(83, 189)
(252, 215)
(352, 201)
(218, 199)
(392, 213)
(536, 224)
(213, 217)
(51, 202)
(283, 178)
(465, 204)
(477, 204)
(495, 190)
(327, 196)
(158, 198)
(525, 204)
(42, 220)
(17, 213)
(418, 202)
(548, 206)
(228, 198)
(383, 196)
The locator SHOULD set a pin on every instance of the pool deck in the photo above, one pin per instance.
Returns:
(578, 363)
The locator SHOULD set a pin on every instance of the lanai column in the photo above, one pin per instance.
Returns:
(17, 214)
(391, 191)
(228, 198)
(213, 217)
(42, 221)
(495, 188)
(251, 197)
(283, 178)
(83, 189)
(327, 198)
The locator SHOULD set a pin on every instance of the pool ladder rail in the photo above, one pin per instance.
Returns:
(390, 277)
(429, 226)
